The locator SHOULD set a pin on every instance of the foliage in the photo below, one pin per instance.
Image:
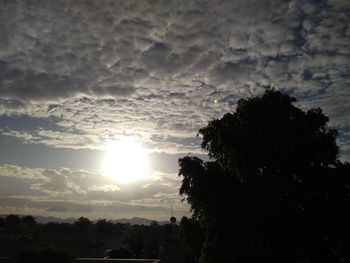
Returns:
(154, 223)
(82, 238)
(105, 226)
(134, 240)
(273, 190)
(173, 220)
(13, 223)
(191, 239)
(16, 224)
(28, 220)
(82, 224)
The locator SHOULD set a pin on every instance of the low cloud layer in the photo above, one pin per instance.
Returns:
(71, 193)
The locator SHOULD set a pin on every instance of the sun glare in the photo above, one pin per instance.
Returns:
(125, 161)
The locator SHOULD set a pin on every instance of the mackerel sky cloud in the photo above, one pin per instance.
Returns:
(76, 74)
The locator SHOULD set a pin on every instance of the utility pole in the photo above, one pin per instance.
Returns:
(171, 207)
(172, 218)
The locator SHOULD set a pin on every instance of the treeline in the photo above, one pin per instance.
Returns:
(15, 224)
(84, 238)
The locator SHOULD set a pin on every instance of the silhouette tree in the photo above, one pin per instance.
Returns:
(134, 241)
(274, 189)
(29, 221)
(173, 220)
(154, 223)
(82, 224)
(13, 223)
(104, 226)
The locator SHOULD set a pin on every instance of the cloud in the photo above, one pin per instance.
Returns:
(163, 60)
(28, 84)
(75, 74)
(105, 188)
(231, 73)
(100, 70)
(11, 104)
(8, 170)
(65, 193)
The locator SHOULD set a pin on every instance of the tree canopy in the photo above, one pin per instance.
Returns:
(273, 189)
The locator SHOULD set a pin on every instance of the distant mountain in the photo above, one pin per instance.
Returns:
(132, 221)
(48, 219)
(138, 221)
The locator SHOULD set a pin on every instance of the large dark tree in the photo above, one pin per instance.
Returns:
(273, 189)
(191, 239)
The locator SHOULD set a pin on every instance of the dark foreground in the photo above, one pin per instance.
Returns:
(94, 260)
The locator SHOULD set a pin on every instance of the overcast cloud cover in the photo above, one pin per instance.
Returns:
(75, 74)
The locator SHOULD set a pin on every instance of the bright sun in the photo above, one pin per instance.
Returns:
(125, 161)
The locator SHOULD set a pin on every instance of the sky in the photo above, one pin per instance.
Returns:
(77, 76)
